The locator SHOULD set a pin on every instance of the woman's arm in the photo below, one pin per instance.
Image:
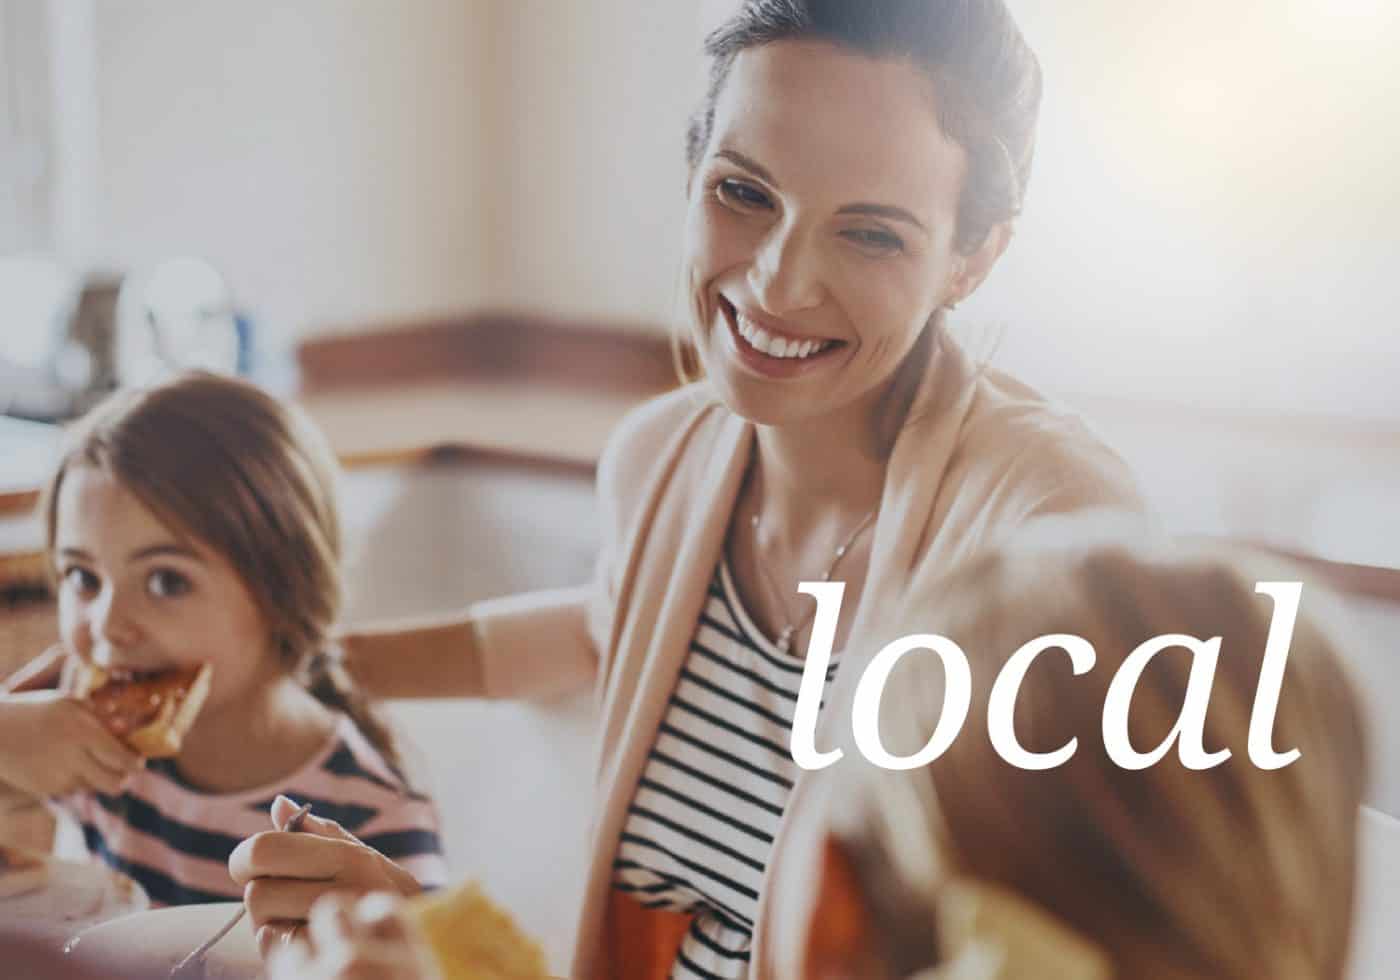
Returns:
(424, 659)
(535, 645)
(541, 644)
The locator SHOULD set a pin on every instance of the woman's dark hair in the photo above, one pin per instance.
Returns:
(987, 81)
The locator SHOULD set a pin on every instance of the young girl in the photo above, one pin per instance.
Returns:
(195, 523)
(976, 870)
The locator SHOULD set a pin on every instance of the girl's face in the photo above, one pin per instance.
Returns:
(134, 595)
(820, 229)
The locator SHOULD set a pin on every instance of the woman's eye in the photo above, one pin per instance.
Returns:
(739, 195)
(165, 583)
(81, 580)
(875, 240)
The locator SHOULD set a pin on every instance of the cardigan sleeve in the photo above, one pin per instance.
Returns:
(535, 645)
(638, 452)
(1075, 475)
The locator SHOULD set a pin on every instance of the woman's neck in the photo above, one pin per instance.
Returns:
(256, 739)
(817, 472)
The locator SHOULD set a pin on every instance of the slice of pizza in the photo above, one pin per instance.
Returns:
(150, 711)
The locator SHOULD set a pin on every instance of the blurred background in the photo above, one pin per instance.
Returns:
(452, 228)
(1210, 236)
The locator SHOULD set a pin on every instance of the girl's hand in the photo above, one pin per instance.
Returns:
(356, 939)
(51, 745)
(282, 874)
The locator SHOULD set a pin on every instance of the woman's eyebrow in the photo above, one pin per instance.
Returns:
(889, 211)
(752, 166)
(884, 211)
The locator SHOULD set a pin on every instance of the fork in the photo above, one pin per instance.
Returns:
(192, 966)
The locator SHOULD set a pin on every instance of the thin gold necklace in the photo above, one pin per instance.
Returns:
(784, 641)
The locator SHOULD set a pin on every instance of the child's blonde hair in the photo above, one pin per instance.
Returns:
(222, 461)
(1232, 873)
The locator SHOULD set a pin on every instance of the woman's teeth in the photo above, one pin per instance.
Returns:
(760, 339)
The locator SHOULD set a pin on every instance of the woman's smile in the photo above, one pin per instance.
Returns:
(769, 350)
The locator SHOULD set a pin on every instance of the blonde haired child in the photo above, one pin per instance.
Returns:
(972, 869)
(196, 522)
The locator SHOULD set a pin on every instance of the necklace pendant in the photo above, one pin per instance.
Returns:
(785, 640)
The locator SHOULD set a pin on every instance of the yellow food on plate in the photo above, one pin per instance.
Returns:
(472, 938)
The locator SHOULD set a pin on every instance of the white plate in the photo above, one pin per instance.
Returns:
(73, 896)
(151, 943)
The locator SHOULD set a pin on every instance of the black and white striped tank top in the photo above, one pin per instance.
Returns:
(701, 826)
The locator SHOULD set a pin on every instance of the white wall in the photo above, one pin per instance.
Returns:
(1213, 217)
(326, 154)
(350, 160)
(592, 103)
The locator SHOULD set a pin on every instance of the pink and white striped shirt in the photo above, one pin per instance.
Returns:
(175, 840)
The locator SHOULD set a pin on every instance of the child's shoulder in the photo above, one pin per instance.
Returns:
(353, 757)
(353, 784)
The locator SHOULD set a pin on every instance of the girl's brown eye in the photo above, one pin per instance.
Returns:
(166, 583)
(81, 580)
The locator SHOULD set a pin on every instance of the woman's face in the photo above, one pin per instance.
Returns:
(136, 597)
(820, 229)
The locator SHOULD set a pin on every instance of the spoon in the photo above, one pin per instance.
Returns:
(192, 966)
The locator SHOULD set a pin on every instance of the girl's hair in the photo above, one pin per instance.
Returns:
(224, 462)
(1230, 873)
(987, 80)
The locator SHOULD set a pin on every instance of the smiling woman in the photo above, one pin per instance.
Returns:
(854, 169)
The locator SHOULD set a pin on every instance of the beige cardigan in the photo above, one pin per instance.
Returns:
(979, 456)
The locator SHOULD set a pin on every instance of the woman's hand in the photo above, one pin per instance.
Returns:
(283, 874)
(51, 745)
(356, 939)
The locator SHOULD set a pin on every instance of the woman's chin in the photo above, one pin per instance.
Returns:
(760, 403)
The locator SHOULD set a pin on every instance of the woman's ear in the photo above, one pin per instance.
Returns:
(975, 268)
(838, 935)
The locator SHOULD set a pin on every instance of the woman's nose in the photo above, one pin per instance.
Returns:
(785, 275)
